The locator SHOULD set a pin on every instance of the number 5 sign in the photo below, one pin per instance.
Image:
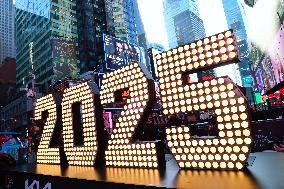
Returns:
(229, 150)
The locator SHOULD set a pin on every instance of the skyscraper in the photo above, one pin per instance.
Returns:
(119, 18)
(92, 24)
(235, 16)
(7, 29)
(189, 27)
(123, 19)
(46, 38)
(142, 39)
(124, 22)
(175, 13)
(184, 25)
(58, 39)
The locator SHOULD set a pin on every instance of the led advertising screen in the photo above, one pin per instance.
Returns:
(119, 53)
(269, 55)
(256, 56)
(269, 65)
(267, 49)
(65, 63)
(277, 57)
(259, 80)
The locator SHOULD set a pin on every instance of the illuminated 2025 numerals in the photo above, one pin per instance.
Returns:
(229, 150)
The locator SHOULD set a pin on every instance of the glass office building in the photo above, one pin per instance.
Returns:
(123, 20)
(235, 17)
(7, 29)
(64, 38)
(46, 39)
(92, 24)
(118, 18)
(189, 27)
(176, 12)
(184, 25)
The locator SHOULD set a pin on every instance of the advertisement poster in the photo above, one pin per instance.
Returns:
(267, 73)
(277, 54)
(65, 63)
(259, 80)
(119, 53)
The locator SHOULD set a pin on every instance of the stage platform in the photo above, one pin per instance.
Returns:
(267, 172)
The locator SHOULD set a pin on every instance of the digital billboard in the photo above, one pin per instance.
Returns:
(65, 63)
(276, 53)
(259, 80)
(119, 53)
(271, 67)
(256, 55)
(269, 64)
(267, 50)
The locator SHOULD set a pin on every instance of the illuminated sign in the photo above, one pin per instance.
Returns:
(125, 93)
(119, 53)
(228, 150)
(64, 59)
(86, 153)
(45, 154)
(123, 149)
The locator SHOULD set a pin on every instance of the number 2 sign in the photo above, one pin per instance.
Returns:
(229, 150)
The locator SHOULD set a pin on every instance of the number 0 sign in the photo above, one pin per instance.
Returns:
(228, 150)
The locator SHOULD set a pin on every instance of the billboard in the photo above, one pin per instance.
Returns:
(267, 52)
(65, 63)
(256, 55)
(272, 65)
(269, 64)
(119, 53)
(276, 53)
(259, 80)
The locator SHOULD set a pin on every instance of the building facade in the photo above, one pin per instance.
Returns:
(7, 80)
(157, 46)
(122, 19)
(235, 17)
(46, 39)
(17, 115)
(8, 71)
(184, 25)
(189, 27)
(7, 29)
(118, 18)
(175, 13)
(92, 24)
(1, 52)
(64, 38)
